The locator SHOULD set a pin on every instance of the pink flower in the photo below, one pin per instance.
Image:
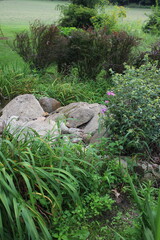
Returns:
(111, 93)
(103, 110)
(106, 101)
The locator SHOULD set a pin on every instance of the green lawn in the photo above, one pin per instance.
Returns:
(15, 16)
(23, 12)
(17, 12)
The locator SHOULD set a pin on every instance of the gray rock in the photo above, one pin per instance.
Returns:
(41, 125)
(96, 122)
(83, 120)
(75, 133)
(64, 129)
(76, 114)
(49, 104)
(2, 125)
(98, 136)
(85, 116)
(24, 106)
(79, 117)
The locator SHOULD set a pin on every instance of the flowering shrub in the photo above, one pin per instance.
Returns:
(133, 109)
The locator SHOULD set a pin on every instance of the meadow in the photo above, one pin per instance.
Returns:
(65, 191)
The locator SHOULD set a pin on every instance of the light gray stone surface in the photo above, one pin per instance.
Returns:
(24, 106)
(79, 121)
(41, 125)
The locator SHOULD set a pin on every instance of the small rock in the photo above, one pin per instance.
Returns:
(49, 104)
(75, 132)
(86, 138)
(76, 140)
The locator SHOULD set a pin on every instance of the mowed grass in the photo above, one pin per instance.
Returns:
(15, 16)
(22, 12)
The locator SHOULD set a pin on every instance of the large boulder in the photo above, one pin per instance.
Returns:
(24, 115)
(24, 106)
(77, 114)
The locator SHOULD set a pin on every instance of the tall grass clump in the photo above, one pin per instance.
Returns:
(35, 183)
(15, 80)
(150, 213)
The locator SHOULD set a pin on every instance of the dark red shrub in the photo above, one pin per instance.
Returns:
(39, 46)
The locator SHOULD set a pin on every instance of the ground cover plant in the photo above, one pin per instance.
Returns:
(49, 185)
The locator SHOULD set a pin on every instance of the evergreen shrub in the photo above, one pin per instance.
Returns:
(77, 16)
(86, 3)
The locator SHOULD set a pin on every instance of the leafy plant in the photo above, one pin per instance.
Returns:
(96, 204)
(153, 24)
(121, 42)
(32, 187)
(109, 20)
(150, 215)
(77, 16)
(92, 50)
(85, 51)
(132, 111)
(154, 54)
(39, 46)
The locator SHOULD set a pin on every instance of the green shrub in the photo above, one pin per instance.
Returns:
(109, 19)
(86, 3)
(77, 16)
(154, 54)
(153, 24)
(91, 51)
(133, 113)
(39, 47)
